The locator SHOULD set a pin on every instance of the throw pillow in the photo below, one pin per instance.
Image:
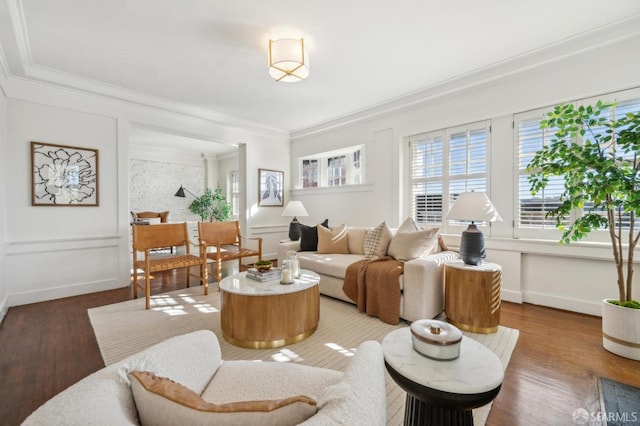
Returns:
(376, 241)
(410, 245)
(309, 236)
(443, 246)
(409, 225)
(333, 240)
(162, 401)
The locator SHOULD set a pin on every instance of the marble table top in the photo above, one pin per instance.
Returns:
(483, 267)
(476, 370)
(239, 284)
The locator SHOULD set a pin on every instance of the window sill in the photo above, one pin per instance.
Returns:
(333, 189)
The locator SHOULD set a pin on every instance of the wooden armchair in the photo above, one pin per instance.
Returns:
(226, 243)
(164, 216)
(149, 237)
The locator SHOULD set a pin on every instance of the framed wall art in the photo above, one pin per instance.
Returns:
(271, 188)
(63, 175)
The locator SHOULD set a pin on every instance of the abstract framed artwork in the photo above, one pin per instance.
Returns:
(63, 175)
(271, 186)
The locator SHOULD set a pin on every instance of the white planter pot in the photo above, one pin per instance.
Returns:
(621, 330)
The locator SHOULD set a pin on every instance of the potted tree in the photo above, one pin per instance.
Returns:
(211, 206)
(597, 156)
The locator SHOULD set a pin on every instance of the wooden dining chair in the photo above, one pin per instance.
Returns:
(146, 238)
(221, 241)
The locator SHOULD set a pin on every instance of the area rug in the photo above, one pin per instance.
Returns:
(620, 403)
(125, 328)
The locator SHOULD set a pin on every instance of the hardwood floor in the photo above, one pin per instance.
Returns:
(46, 347)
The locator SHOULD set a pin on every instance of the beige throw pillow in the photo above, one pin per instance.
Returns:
(409, 225)
(333, 240)
(376, 241)
(161, 401)
(411, 245)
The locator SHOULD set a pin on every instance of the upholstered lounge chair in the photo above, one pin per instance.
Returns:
(194, 361)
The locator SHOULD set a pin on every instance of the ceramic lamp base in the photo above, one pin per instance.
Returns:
(472, 249)
(294, 230)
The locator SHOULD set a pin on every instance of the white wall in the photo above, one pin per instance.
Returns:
(54, 252)
(573, 278)
(156, 174)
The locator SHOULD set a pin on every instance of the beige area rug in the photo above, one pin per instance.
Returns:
(123, 329)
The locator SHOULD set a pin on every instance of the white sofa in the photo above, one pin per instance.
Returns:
(421, 284)
(356, 396)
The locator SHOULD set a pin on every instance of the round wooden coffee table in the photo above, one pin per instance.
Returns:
(263, 315)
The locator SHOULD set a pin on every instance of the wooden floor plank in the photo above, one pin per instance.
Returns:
(46, 347)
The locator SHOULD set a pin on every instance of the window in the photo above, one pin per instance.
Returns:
(309, 173)
(334, 168)
(443, 164)
(234, 191)
(336, 171)
(531, 210)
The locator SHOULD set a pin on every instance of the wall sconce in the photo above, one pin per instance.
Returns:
(473, 206)
(288, 60)
(294, 208)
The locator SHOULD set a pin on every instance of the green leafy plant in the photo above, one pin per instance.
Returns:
(601, 175)
(212, 205)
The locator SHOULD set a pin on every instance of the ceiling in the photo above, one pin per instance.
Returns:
(212, 55)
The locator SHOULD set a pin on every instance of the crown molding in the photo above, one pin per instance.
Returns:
(37, 73)
(537, 58)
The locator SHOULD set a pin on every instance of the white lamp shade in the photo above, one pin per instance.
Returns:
(474, 206)
(288, 60)
(295, 208)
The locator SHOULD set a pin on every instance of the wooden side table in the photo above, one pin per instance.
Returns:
(472, 296)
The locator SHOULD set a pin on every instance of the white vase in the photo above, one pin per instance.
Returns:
(621, 330)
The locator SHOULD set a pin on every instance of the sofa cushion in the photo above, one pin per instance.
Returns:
(309, 236)
(333, 240)
(411, 245)
(269, 380)
(376, 241)
(333, 264)
(355, 239)
(162, 401)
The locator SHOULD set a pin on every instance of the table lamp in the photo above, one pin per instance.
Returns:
(473, 206)
(294, 208)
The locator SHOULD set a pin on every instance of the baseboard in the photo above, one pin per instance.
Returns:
(4, 308)
(43, 295)
(511, 296)
(573, 305)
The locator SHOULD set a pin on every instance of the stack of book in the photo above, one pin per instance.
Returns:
(270, 275)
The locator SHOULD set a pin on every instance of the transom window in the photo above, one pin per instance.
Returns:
(333, 168)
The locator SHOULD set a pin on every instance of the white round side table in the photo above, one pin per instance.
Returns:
(442, 392)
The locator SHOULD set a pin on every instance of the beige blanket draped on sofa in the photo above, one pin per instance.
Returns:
(373, 285)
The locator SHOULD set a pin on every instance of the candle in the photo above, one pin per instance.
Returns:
(286, 275)
(287, 272)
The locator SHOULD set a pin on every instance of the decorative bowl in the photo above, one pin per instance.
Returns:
(263, 265)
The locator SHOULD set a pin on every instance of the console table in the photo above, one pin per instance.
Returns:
(261, 315)
(472, 296)
(442, 392)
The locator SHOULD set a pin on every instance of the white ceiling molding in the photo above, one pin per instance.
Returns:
(206, 61)
(559, 51)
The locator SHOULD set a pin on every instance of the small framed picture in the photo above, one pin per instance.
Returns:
(63, 175)
(271, 184)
